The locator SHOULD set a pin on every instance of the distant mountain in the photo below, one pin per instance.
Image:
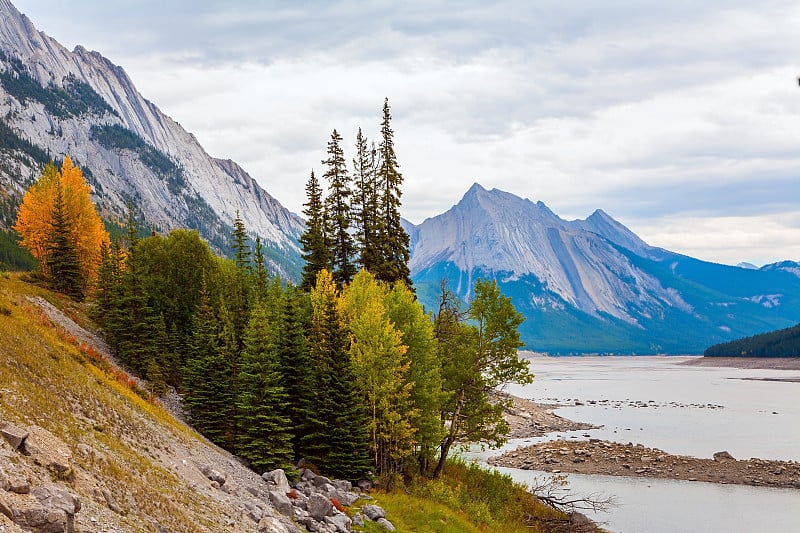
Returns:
(781, 343)
(54, 102)
(593, 285)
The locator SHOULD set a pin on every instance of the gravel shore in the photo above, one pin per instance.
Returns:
(634, 460)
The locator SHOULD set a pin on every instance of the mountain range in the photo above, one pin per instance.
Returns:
(584, 285)
(592, 285)
(54, 102)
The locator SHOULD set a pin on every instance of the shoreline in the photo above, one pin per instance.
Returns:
(528, 419)
(760, 363)
(597, 456)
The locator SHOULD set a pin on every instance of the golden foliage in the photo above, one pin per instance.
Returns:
(35, 217)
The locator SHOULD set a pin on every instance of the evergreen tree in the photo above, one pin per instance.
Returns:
(337, 203)
(264, 430)
(136, 321)
(315, 248)
(260, 272)
(294, 361)
(206, 374)
(241, 249)
(237, 292)
(393, 242)
(365, 204)
(334, 436)
(62, 256)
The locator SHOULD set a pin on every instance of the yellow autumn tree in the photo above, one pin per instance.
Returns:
(85, 228)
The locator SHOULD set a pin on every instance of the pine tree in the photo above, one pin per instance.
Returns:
(260, 272)
(394, 241)
(264, 434)
(62, 258)
(294, 360)
(337, 203)
(240, 247)
(206, 375)
(335, 433)
(365, 204)
(315, 248)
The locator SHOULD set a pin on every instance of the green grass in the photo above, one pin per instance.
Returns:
(466, 498)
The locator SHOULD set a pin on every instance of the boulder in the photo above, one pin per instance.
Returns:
(281, 502)
(358, 520)
(319, 507)
(52, 511)
(277, 477)
(340, 521)
(373, 512)
(49, 451)
(321, 480)
(272, 524)
(15, 435)
(385, 524)
(343, 485)
(723, 456)
(214, 475)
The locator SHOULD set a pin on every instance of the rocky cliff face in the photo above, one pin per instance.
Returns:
(56, 102)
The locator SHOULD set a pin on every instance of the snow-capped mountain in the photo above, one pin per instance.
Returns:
(593, 285)
(56, 102)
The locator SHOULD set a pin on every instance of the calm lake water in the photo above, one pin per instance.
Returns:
(687, 410)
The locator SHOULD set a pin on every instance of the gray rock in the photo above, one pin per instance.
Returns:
(723, 456)
(340, 521)
(281, 502)
(343, 485)
(213, 475)
(278, 478)
(52, 511)
(358, 520)
(253, 511)
(18, 486)
(308, 475)
(273, 524)
(365, 485)
(319, 507)
(15, 435)
(345, 498)
(5, 509)
(373, 512)
(385, 524)
(321, 480)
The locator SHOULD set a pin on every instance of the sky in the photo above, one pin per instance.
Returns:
(679, 119)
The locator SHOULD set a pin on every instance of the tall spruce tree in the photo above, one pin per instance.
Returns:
(294, 360)
(393, 242)
(313, 241)
(62, 257)
(365, 204)
(206, 376)
(337, 203)
(264, 434)
(334, 435)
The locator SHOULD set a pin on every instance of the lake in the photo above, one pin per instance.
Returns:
(687, 410)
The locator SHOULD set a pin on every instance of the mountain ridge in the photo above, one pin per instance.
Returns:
(202, 192)
(594, 285)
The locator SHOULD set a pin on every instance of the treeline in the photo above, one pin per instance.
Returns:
(780, 343)
(357, 224)
(357, 379)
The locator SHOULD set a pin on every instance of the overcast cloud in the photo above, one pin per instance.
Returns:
(680, 120)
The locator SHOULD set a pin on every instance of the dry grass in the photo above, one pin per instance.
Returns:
(48, 380)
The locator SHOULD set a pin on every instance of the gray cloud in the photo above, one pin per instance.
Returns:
(652, 111)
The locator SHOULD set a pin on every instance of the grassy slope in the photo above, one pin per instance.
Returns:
(46, 380)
